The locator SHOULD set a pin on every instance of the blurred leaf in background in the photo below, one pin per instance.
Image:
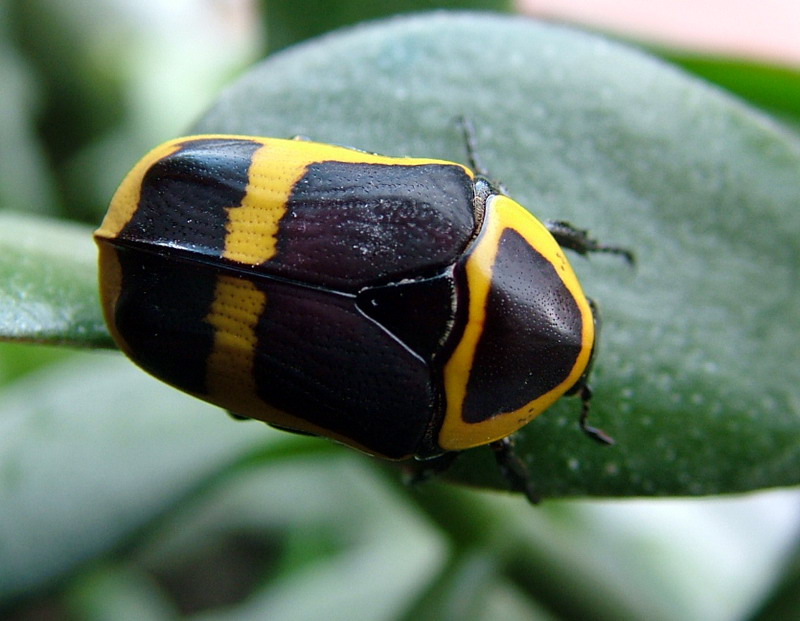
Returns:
(26, 182)
(287, 22)
(112, 77)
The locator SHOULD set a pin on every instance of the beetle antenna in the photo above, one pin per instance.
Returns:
(468, 129)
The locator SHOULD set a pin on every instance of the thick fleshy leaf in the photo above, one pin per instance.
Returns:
(48, 283)
(92, 452)
(697, 375)
(776, 88)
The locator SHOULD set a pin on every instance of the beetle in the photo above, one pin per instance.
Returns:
(405, 307)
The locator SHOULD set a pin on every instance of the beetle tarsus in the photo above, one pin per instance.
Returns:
(594, 433)
(513, 469)
(579, 241)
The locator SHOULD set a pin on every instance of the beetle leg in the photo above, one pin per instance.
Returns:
(513, 469)
(593, 432)
(578, 240)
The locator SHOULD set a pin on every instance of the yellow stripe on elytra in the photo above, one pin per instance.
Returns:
(125, 201)
(230, 377)
(234, 315)
(252, 227)
(503, 213)
(275, 169)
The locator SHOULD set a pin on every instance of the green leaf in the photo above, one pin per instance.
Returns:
(26, 183)
(48, 283)
(697, 374)
(288, 22)
(83, 466)
(19, 359)
(772, 87)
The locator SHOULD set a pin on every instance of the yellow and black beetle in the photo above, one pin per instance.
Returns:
(402, 306)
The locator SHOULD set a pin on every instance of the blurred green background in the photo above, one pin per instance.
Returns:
(169, 510)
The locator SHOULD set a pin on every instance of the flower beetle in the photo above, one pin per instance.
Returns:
(402, 306)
